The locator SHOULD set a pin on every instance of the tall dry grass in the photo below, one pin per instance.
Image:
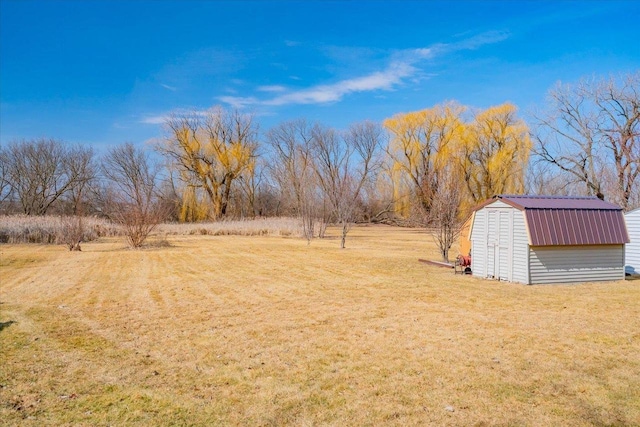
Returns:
(285, 227)
(51, 229)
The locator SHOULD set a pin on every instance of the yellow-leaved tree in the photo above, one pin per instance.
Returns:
(421, 146)
(495, 151)
(211, 151)
(441, 165)
(193, 208)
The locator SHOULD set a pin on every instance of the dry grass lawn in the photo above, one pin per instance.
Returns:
(267, 331)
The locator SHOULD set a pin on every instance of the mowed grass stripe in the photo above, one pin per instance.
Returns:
(271, 331)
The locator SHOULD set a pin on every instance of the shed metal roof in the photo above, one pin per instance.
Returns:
(558, 220)
(557, 202)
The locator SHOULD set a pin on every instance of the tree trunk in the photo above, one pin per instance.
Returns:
(344, 235)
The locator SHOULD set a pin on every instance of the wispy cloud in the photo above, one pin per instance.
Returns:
(479, 40)
(154, 120)
(403, 65)
(162, 118)
(379, 80)
(272, 88)
(385, 79)
(171, 88)
(239, 102)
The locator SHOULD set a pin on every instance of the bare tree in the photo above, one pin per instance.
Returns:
(444, 215)
(377, 198)
(169, 194)
(592, 128)
(293, 170)
(252, 184)
(135, 203)
(343, 165)
(5, 185)
(80, 163)
(619, 110)
(72, 232)
(544, 178)
(41, 171)
(290, 141)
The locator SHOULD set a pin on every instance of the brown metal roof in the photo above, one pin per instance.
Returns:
(557, 202)
(576, 227)
(554, 220)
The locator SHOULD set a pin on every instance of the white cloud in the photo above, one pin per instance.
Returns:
(238, 102)
(272, 88)
(425, 52)
(380, 80)
(480, 40)
(386, 79)
(160, 119)
(154, 120)
(403, 67)
(400, 68)
(171, 88)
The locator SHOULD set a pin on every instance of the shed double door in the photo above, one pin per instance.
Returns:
(499, 236)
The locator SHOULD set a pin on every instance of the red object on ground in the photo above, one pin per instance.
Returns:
(464, 260)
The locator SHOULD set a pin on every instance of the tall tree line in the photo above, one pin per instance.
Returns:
(427, 167)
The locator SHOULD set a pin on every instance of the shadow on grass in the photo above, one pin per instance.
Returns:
(147, 246)
(6, 324)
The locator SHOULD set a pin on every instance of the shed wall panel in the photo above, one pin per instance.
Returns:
(504, 245)
(492, 242)
(499, 204)
(574, 264)
(632, 249)
(478, 253)
(520, 249)
(479, 244)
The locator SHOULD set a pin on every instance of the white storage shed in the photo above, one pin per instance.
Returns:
(548, 239)
(632, 250)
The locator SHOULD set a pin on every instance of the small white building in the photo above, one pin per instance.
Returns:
(548, 239)
(632, 250)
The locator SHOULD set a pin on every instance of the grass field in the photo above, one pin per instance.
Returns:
(268, 331)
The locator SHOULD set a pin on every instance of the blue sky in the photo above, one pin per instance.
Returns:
(106, 72)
